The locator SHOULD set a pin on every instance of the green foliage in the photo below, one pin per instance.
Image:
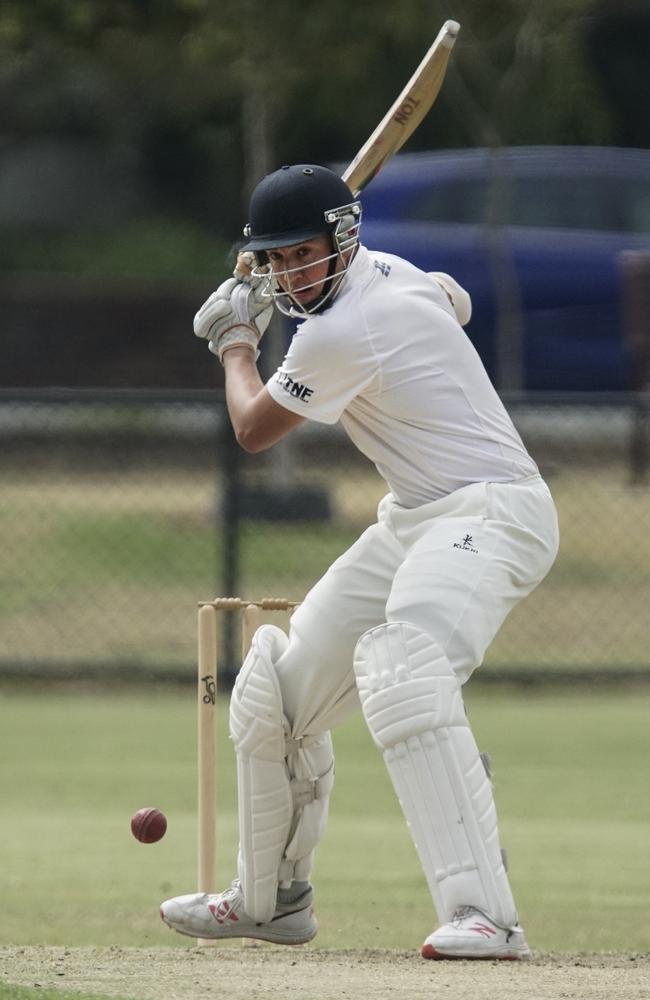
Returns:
(197, 98)
(150, 248)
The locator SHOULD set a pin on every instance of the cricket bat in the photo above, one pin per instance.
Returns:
(401, 121)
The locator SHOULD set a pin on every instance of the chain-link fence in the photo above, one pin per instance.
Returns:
(120, 510)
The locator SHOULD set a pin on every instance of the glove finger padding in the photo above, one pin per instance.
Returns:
(237, 314)
(249, 304)
(216, 310)
(260, 281)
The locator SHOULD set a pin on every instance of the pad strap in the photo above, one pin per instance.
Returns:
(312, 789)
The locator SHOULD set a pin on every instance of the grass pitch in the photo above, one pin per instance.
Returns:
(570, 787)
(27, 993)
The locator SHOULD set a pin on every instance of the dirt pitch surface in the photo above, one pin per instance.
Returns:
(263, 972)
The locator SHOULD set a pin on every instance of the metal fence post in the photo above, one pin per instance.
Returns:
(635, 274)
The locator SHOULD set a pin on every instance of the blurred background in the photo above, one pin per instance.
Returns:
(132, 133)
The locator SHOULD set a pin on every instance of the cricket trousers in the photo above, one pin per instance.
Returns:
(454, 568)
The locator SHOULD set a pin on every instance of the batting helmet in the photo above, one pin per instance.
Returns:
(297, 203)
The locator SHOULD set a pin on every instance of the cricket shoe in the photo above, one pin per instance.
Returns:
(222, 916)
(471, 934)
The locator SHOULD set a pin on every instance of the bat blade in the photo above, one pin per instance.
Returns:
(404, 116)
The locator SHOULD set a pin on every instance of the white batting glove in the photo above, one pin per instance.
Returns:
(459, 298)
(237, 314)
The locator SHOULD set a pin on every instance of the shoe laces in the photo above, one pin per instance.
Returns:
(462, 912)
(233, 890)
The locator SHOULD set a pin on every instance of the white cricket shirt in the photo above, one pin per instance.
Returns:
(391, 362)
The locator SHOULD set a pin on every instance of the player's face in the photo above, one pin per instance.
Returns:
(302, 270)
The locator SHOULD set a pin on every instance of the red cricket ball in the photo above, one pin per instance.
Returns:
(148, 825)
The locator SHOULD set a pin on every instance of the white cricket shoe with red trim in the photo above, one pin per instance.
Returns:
(471, 934)
(204, 915)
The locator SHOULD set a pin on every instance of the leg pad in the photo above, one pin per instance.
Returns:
(413, 705)
(284, 784)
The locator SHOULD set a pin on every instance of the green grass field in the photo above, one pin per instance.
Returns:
(109, 567)
(571, 787)
(25, 993)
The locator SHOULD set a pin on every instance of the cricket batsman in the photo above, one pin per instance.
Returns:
(400, 621)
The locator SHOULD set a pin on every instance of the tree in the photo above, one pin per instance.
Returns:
(200, 97)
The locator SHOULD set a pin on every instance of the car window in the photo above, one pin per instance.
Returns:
(636, 202)
(568, 203)
(451, 201)
(609, 204)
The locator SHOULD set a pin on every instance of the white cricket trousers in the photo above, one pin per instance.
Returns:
(454, 568)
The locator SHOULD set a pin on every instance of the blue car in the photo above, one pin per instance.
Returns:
(536, 235)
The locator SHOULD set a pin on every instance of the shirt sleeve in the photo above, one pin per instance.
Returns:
(326, 367)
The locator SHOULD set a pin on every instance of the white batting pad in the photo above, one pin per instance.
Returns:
(283, 784)
(413, 706)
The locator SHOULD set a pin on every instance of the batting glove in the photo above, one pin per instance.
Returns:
(237, 314)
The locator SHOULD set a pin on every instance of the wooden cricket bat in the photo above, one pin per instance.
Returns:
(406, 113)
